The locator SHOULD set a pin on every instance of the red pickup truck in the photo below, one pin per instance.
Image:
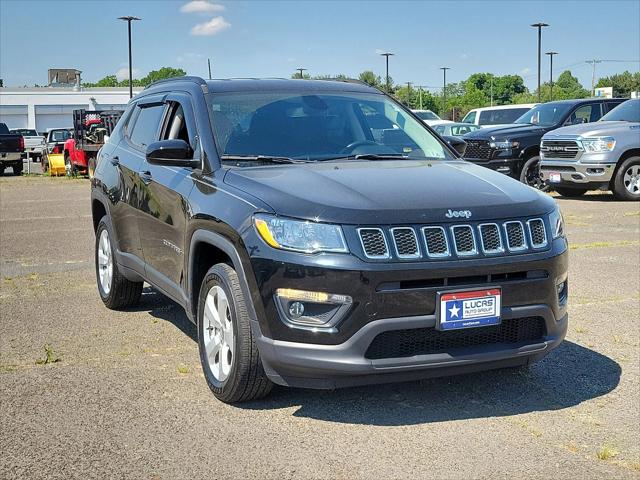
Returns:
(91, 129)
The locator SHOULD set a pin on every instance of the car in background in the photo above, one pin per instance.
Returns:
(604, 155)
(33, 143)
(455, 129)
(430, 118)
(55, 139)
(515, 149)
(497, 115)
(11, 149)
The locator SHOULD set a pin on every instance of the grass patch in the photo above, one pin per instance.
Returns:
(49, 356)
(183, 369)
(606, 452)
(621, 243)
(632, 214)
(581, 330)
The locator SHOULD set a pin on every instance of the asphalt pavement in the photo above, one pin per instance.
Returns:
(91, 393)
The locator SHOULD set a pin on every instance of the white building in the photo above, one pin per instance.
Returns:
(52, 107)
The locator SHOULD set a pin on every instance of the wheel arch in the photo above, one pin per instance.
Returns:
(206, 249)
(98, 210)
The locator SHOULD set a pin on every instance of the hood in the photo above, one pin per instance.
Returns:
(502, 132)
(595, 129)
(388, 192)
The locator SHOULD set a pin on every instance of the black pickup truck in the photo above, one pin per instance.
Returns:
(515, 149)
(313, 246)
(11, 149)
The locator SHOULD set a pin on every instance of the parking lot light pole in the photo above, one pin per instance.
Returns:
(387, 55)
(444, 88)
(551, 54)
(539, 26)
(129, 19)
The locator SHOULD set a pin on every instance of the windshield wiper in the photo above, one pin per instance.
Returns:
(261, 158)
(368, 156)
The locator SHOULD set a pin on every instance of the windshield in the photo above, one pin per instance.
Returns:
(470, 117)
(314, 127)
(60, 135)
(427, 115)
(25, 132)
(546, 115)
(628, 111)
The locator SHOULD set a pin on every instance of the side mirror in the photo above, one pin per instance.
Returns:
(173, 153)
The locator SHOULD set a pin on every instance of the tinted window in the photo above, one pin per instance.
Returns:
(501, 116)
(176, 126)
(460, 130)
(427, 115)
(60, 135)
(145, 128)
(547, 114)
(25, 132)
(585, 114)
(628, 111)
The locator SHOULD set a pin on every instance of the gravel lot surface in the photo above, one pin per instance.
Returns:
(127, 398)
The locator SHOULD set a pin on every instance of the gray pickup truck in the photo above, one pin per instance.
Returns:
(603, 155)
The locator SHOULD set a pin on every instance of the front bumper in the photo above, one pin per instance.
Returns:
(400, 298)
(577, 172)
(509, 165)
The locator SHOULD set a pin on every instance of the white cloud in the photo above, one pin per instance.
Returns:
(201, 6)
(464, 56)
(213, 26)
(190, 57)
(123, 73)
(525, 71)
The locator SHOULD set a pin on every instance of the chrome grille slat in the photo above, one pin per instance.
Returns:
(405, 242)
(567, 149)
(514, 232)
(435, 239)
(374, 243)
(537, 233)
(464, 240)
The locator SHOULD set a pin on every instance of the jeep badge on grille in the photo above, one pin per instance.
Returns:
(458, 214)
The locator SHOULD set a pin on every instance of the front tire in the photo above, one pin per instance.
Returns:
(228, 351)
(571, 192)
(115, 290)
(626, 183)
(530, 174)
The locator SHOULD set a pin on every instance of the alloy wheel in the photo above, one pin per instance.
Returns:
(631, 179)
(219, 341)
(105, 262)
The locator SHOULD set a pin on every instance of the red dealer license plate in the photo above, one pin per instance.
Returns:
(468, 309)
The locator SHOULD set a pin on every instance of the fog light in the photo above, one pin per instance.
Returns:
(296, 309)
(311, 310)
(562, 289)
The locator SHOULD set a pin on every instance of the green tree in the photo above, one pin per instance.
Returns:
(371, 78)
(297, 75)
(569, 86)
(164, 72)
(623, 83)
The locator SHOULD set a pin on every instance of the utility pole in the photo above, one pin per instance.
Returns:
(387, 55)
(539, 26)
(444, 88)
(209, 65)
(492, 90)
(129, 19)
(302, 70)
(409, 94)
(593, 76)
(420, 96)
(551, 54)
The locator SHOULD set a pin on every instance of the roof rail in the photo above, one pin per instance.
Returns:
(184, 78)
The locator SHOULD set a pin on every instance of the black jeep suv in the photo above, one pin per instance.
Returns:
(314, 246)
(515, 149)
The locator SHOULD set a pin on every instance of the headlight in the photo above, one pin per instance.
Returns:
(300, 235)
(557, 223)
(504, 145)
(598, 144)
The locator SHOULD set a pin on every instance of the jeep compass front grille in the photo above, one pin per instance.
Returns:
(427, 341)
(468, 240)
(374, 243)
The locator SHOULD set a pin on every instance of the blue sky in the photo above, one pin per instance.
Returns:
(267, 39)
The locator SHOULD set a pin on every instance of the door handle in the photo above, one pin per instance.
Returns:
(114, 160)
(146, 177)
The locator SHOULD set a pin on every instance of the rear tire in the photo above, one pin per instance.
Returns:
(530, 174)
(115, 290)
(17, 169)
(571, 192)
(228, 351)
(626, 183)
